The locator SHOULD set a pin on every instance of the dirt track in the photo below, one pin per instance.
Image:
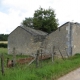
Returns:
(74, 75)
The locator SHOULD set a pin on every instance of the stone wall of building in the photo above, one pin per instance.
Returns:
(66, 39)
(59, 40)
(23, 42)
(76, 38)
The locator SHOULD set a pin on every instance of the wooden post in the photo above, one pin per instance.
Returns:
(31, 61)
(14, 57)
(2, 64)
(41, 57)
(7, 61)
(66, 53)
(41, 54)
(61, 54)
(37, 59)
(53, 53)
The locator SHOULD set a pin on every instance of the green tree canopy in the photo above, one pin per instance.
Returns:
(28, 22)
(3, 37)
(43, 19)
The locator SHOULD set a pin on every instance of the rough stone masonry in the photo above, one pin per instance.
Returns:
(66, 39)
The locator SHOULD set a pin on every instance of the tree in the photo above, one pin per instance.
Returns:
(28, 22)
(44, 19)
(3, 37)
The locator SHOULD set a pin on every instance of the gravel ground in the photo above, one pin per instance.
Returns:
(74, 75)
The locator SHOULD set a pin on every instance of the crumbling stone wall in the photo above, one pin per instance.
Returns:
(76, 38)
(66, 39)
(24, 42)
(59, 39)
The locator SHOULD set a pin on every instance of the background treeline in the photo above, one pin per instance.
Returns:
(3, 37)
(2, 45)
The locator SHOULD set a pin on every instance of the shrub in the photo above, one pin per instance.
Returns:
(2, 45)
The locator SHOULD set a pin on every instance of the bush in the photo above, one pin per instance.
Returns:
(2, 45)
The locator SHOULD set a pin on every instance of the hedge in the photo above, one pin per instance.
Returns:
(2, 45)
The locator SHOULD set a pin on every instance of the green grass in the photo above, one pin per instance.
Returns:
(3, 50)
(46, 70)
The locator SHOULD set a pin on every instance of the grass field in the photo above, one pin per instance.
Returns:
(5, 42)
(3, 50)
(46, 70)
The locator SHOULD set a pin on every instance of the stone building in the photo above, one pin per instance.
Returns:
(25, 40)
(65, 40)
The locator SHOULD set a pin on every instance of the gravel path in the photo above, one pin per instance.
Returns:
(74, 75)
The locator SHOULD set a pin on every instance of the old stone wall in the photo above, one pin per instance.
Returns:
(66, 39)
(57, 39)
(76, 38)
(23, 42)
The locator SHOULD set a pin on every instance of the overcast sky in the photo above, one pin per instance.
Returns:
(13, 12)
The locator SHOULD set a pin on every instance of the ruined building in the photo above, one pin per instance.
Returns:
(25, 40)
(65, 40)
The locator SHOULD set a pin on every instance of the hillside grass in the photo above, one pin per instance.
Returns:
(5, 42)
(46, 70)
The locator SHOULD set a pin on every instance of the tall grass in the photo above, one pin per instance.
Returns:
(3, 50)
(46, 70)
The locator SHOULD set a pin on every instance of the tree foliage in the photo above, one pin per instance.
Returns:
(3, 37)
(43, 19)
(3, 45)
(28, 22)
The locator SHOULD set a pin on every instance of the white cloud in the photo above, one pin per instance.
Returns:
(10, 21)
(17, 10)
(67, 10)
